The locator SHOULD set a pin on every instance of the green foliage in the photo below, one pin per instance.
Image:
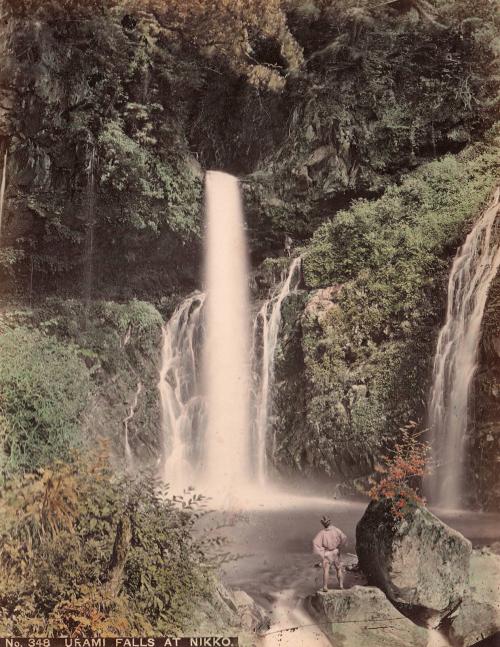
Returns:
(368, 345)
(384, 89)
(119, 343)
(109, 150)
(44, 387)
(100, 329)
(57, 531)
(394, 246)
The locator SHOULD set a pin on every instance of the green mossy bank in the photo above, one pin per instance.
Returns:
(358, 345)
(68, 377)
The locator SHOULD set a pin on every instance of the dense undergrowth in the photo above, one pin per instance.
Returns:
(67, 374)
(87, 552)
(368, 335)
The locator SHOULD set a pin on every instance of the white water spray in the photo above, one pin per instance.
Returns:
(227, 347)
(2, 189)
(129, 457)
(182, 405)
(208, 439)
(474, 268)
(265, 334)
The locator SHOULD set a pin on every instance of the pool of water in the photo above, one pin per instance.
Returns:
(277, 568)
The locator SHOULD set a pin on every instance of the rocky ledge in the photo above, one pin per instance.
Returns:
(362, 615)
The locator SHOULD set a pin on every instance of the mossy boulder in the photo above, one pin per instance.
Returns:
(420, 563)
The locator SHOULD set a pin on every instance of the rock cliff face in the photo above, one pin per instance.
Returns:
(485, 428)
(110, 117)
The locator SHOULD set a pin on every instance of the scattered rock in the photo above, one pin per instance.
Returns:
(419, 562)
(363, 616)
(252, 616)
(225, 609)
(321, 302)
(478, 617)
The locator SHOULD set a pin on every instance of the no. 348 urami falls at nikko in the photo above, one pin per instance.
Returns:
(217, 364)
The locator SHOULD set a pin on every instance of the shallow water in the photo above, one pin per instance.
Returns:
(278, 568)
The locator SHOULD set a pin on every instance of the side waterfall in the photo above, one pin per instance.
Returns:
(129, 458)
(265, 335)
(2, 190)
(474, 268)
(182, 404)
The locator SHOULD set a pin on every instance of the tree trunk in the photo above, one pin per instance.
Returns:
(119, 556)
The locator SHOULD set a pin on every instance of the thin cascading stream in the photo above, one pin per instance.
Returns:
(90, 226)
(226, 353)
(182, 403)
(474, 268)
(265, 336)
(129, 457)
(2, 190)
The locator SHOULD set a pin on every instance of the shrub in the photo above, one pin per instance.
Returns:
(58, 566)
(400, 471)
(44, 387)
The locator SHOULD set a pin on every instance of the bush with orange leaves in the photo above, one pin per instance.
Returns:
(400, 473)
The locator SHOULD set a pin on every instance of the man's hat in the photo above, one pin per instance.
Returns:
(326, 521)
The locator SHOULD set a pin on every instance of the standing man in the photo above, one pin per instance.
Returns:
(327, 545)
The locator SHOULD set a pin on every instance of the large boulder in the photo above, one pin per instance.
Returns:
(362, 615)
(420, 563)
(478, 617)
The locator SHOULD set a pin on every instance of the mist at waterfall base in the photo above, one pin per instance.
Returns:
(217, 370)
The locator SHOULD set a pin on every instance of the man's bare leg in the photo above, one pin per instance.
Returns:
(340, 575)
(326, 571)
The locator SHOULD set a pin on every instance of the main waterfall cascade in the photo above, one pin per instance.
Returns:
(227, 378)
(474, 268)
(215, 371)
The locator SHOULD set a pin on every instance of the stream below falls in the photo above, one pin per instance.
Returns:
(277, 567)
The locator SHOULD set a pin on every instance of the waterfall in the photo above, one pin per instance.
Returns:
(182, 404)
(2, 189)
(205, 380)
(227, 342)
(474, 268)
(265, 334)
(90, 226)
(129, 457)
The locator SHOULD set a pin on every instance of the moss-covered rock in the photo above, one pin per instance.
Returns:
(485, 414)
(478, 616)
(362, 615)
(421, 564)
